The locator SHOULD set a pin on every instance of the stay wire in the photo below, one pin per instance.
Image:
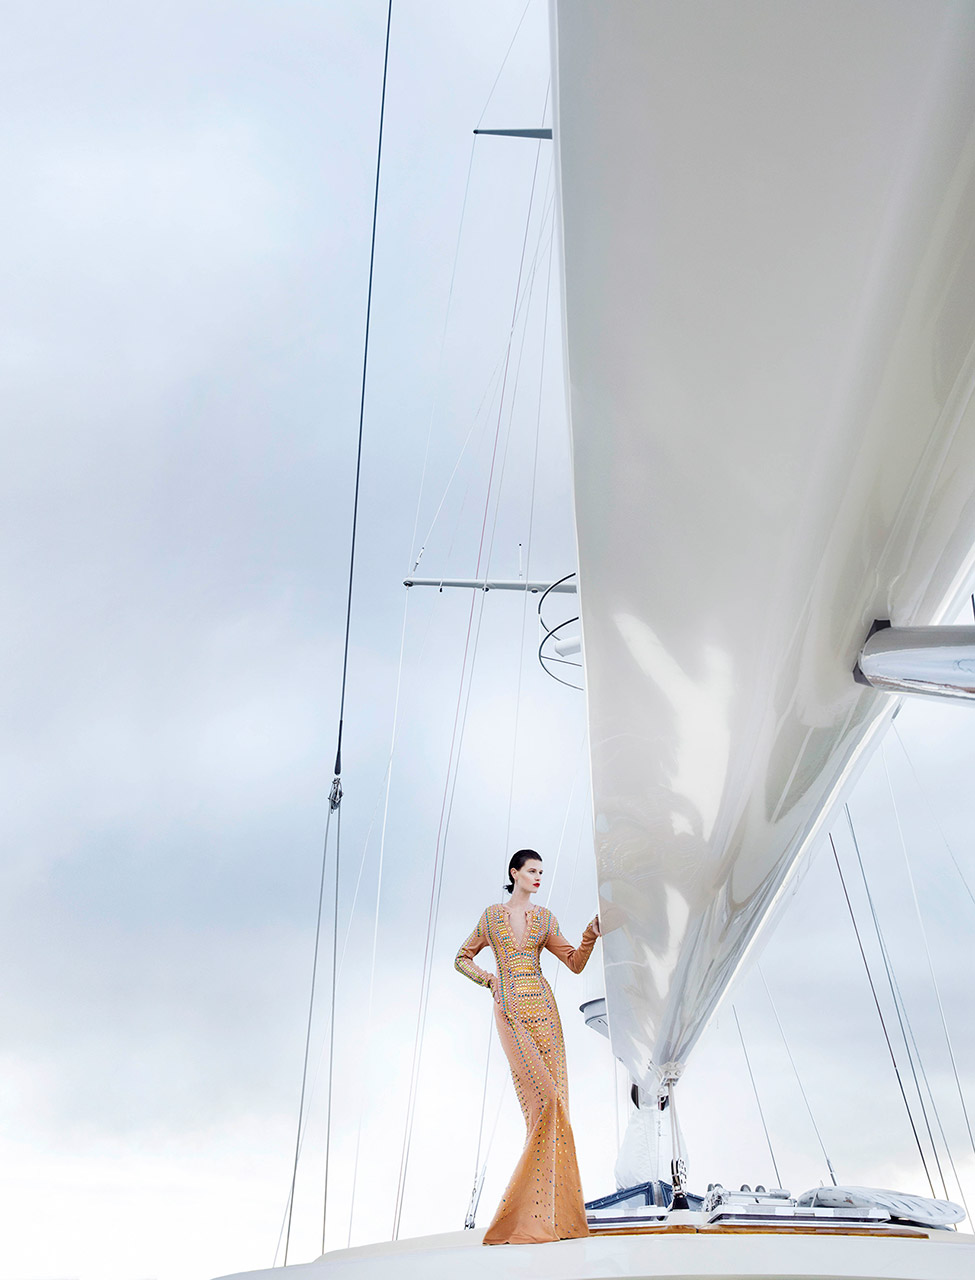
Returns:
(933, 813)
(491, 541)
(504, 63)
(927, 952)
(486, 398)
(930, 1093)
(331, 1020)
(528, 550)
(583, 828)
(758, 1100)
(304, 1068)
(336, 791)
(880, 1015)
(362, 400)
(443, 344)
(310, 1093)
(430, 933)
(437, 877)
(819, 1139)
(379, 889)
(903, 1021)
(480, 1171)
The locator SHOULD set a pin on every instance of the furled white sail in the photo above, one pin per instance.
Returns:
(768, 229)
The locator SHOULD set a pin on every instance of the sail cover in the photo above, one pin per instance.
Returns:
(768, 240)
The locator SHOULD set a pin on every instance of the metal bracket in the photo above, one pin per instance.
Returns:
(933, 661)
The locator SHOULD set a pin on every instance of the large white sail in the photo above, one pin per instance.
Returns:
(768, 227)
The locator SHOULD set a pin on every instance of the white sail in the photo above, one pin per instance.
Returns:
(768, 228)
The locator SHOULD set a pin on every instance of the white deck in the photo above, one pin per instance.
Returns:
(460, 1255)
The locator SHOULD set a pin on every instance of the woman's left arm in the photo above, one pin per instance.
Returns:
(574, 957)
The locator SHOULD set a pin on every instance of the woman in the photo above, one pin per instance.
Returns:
(544, 1197)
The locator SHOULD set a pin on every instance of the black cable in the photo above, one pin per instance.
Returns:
(880, 1015)
(362, 396)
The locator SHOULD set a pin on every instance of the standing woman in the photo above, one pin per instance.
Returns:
(543, 1201)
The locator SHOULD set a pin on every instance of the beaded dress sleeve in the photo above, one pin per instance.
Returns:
(464, 961)
(574, 957)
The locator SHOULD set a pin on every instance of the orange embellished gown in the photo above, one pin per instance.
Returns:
(543, 1200)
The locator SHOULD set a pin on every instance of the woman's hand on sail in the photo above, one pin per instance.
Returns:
(595, 927)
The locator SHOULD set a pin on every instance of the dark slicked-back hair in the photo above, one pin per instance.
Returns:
(518, 860)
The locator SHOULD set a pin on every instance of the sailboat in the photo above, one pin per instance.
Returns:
(767, 235)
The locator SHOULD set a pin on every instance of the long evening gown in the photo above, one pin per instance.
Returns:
(543, 1201)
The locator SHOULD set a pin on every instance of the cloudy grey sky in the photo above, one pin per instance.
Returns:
(184, 248)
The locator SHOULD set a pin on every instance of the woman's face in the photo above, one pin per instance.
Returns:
(528, 877)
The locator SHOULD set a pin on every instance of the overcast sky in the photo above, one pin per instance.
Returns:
(185, 235)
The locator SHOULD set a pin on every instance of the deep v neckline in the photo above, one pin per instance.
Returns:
(529, 911)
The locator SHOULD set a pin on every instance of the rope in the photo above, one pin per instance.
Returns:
(775, 1015)
(758, 1100)
(362, 396)
(304, 1068)
(927, 952)
(880, 1015)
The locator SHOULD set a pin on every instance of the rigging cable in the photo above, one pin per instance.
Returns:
(486, 399)
(396, 704)
(504, 63)
(335, 794)
(927, 952)
(931, 810)
(880, 1015)
(584, 826)
(516, 383)
(309, 1096)
(304, 1069)
(758, 1100)
(367, 1038)
(331, 1020)
(480, 1171)
(336, 785)
(443, 342)
(903, 1021)
(454, 754)
(819, 1139)
(930, 1093)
